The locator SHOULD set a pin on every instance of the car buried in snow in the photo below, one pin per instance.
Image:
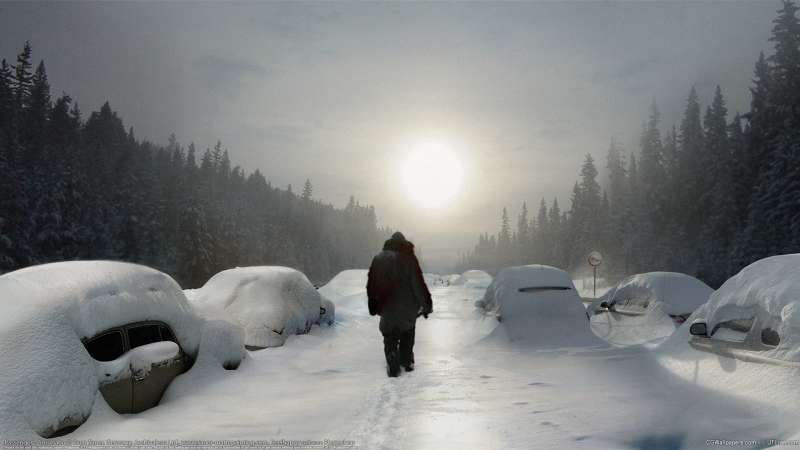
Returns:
(755, 315)
(271, 303)
(537, 303)
(676, 294)
(76, 328)
(646, 307)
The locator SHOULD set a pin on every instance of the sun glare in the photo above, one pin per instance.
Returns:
(432, 174)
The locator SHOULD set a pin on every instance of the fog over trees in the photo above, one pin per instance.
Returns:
(75, 188)
(706, 196)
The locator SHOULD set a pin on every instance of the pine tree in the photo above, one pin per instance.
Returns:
(785, 93)
(36, 117)
(504, 237)
(23, 80)
(716, 231)
(307, 190)
(6, 108)
(523, 234)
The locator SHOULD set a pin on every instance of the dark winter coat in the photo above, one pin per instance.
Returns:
(395, 287)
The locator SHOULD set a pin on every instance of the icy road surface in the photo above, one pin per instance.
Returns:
(470, 390)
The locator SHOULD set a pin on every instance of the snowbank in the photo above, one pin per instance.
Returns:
(47, 378)
(271, 303)
(646, 307)
(348, 291)
(539, 304)
(472, 279)
(345, 283)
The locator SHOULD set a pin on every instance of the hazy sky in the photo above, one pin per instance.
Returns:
(342, 92)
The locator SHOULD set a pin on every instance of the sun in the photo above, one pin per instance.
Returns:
(432, 174)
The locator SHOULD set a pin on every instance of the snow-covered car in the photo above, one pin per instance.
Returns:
(755, 315)
(646, 308)
(271, 303)
(70, 329)
(472, 279)
(537, 302)
(676, 294)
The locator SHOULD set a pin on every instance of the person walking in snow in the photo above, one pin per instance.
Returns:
(397, 292)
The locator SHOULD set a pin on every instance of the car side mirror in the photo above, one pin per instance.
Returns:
(699, 328)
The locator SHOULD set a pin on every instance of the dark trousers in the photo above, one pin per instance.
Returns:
(399, 347)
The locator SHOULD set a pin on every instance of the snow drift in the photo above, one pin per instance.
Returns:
(345, 283)
(47, 378)
(271, 303)
(646, 307)
(538, 304)
(348, 291)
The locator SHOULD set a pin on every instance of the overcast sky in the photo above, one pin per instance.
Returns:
(340, 92)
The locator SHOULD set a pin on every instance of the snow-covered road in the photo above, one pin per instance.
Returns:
(471, 389)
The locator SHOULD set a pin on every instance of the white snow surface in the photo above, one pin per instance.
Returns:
(269, 302)
(469, 390)
(345, 283)
(47, 375)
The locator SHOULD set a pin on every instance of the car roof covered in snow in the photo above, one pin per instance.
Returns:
(98, 295)
(677, 293)
(525, 279)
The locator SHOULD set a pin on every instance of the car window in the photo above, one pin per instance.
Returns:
(106, 347)
(544, 288)
(734, 330)
(167, 335)
(143, 335)
(632, 303)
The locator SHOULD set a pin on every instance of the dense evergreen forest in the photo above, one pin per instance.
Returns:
(88, 189)
(706, 197)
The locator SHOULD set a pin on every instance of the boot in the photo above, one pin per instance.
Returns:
(392, 364)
